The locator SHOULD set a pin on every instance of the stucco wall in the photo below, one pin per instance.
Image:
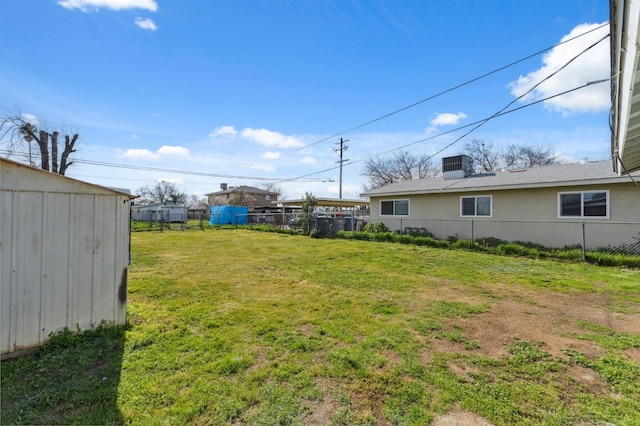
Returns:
(526, 215)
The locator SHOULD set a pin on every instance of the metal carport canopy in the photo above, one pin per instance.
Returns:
(328, 202)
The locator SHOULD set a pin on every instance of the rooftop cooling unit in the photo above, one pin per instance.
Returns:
(457, 167)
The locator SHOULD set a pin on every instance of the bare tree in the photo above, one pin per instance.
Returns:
(538, 155)
(402, 166)
(161, 192)
(241, 198)
(515, 156)
(17, 130)
(511, 156)
(272, 187)
(195, 202)
(217, 200)
(485, 156)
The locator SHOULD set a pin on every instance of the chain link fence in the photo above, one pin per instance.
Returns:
(167, 220)
(606, 237)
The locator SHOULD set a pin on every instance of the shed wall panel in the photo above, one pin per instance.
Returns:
(7, 257)
(56, 284)
(83, 283)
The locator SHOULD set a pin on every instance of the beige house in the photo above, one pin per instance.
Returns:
(546, 205)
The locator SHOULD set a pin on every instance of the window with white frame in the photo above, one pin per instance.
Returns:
(591, 204)
(477, 206)
(394, 208)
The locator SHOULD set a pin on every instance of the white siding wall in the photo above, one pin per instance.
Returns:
(64, 260)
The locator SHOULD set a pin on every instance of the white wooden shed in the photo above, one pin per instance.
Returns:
(64, 255)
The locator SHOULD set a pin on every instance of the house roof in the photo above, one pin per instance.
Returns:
(625, 85)
(245, 189)
(590, 173)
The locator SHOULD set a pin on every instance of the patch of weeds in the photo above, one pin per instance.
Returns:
(608, 338)
(578, 358)
(232, 364)
(426, 326)
(620, 373)
(408, 403)
(457, 337)
(276, 405)
(340, 417)
(391, 338)
(386, 307)
(525, 352)
(448, 309)
(345, 362)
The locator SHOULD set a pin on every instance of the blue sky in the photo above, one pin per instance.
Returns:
(245, 90)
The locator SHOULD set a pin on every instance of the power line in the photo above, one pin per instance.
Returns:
(502, 111)
(482, 121)
(466, 83)
(183, 172)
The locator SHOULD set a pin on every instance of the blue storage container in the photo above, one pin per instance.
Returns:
(229, 215)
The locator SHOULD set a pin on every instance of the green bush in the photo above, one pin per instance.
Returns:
(375, 228)
(490, 242)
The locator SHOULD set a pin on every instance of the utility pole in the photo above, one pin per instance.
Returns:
(341, 150)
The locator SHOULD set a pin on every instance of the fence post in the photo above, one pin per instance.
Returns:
(354, 221)
(584, 243)
(472, 238)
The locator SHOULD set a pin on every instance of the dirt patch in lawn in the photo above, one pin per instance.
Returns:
(548, 318)
(461, 418)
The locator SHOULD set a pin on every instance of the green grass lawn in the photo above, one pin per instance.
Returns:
(244, 327)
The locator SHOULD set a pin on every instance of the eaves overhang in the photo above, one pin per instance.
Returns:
(453, 190)
(625, 85)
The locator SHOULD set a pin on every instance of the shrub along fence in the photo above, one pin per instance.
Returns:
(604, 237)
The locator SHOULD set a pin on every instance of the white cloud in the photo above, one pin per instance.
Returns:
(140, 154)
(591, 66)
(269, 155)
(178, 151)
(148, 155)
(448, 118)
(89, 5)
(223, 131)
(308, 160)
(263, 167)
(31, 119)
(146, 24)
(270, 138)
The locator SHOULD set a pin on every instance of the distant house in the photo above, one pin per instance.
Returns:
(263, 201)
(65, 255)
(159, 212)
(545, 205)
